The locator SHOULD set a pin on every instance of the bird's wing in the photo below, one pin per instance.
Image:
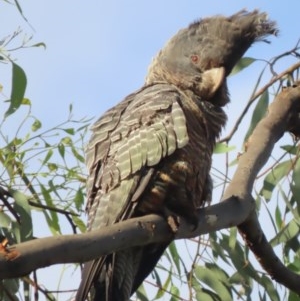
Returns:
(133, 136)
(128, 143)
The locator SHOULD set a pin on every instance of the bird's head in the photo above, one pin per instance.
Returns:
(200, 56)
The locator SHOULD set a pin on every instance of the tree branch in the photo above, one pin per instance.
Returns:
(21, 259)
(282, 115)
(256, 95)
(237, 209)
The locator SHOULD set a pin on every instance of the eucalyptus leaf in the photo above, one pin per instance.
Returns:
(19, 82)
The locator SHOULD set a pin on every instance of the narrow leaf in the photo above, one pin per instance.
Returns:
(5, 220)
(77, 155)
(20, 10)
(48, 156)
(274, 177)
(216, 279)
(287, 233)
(243, 63)
(278, 218)
(79, 223)
(222, 148)
(296, 179)
(269, 287)
(19, 83)
(61, 150)
(53, 222)
(258, 113)
(175, 256)
(23, 208)
(79, 199)
(41, 44)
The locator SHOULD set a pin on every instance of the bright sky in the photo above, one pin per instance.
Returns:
(98, 52)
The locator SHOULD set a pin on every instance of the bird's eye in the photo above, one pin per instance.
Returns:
(195, 58)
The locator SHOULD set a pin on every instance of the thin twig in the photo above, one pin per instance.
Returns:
(255, 96)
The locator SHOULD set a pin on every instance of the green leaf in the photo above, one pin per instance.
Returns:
(207, 295)
(216, 247)
(12, 285)
(52, 166)
(16, 232)
(77, 155)
(243, 63)
(26, 102)
(203, 294)
(278, 218)
(216, 279)
(293, 296)
(295, 186)
(66, 141)
(287, 233)
(274, 177)
(234, 162)
(269, 287)
(69, 131)
(296, 264)
(52, 220)
(238, 257)
(40, 44)
(79, 199)
(157, 278)
(20, 10)
(175, 293)
(141, 294)
(79, 223)
(291, 149)
(5, 220)
(23, 209)
(48, 156)
(233, 238)
(61, 150)
(222, 148)
(258, 113)
(175, 256)
(164, 288)
(36, 125)
(19, 83)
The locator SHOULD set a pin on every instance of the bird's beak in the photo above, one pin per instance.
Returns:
(212, 79)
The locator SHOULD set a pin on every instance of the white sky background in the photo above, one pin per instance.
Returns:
(98, 52)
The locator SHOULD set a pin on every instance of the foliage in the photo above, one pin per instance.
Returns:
(42, 171)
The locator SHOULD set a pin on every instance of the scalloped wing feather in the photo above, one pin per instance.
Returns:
(136, 134)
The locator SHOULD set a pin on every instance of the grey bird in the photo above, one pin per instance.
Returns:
(151, 153)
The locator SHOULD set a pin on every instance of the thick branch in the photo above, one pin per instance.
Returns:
(257, 242)
(25, 257)
(238, 209)
(281, 114)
